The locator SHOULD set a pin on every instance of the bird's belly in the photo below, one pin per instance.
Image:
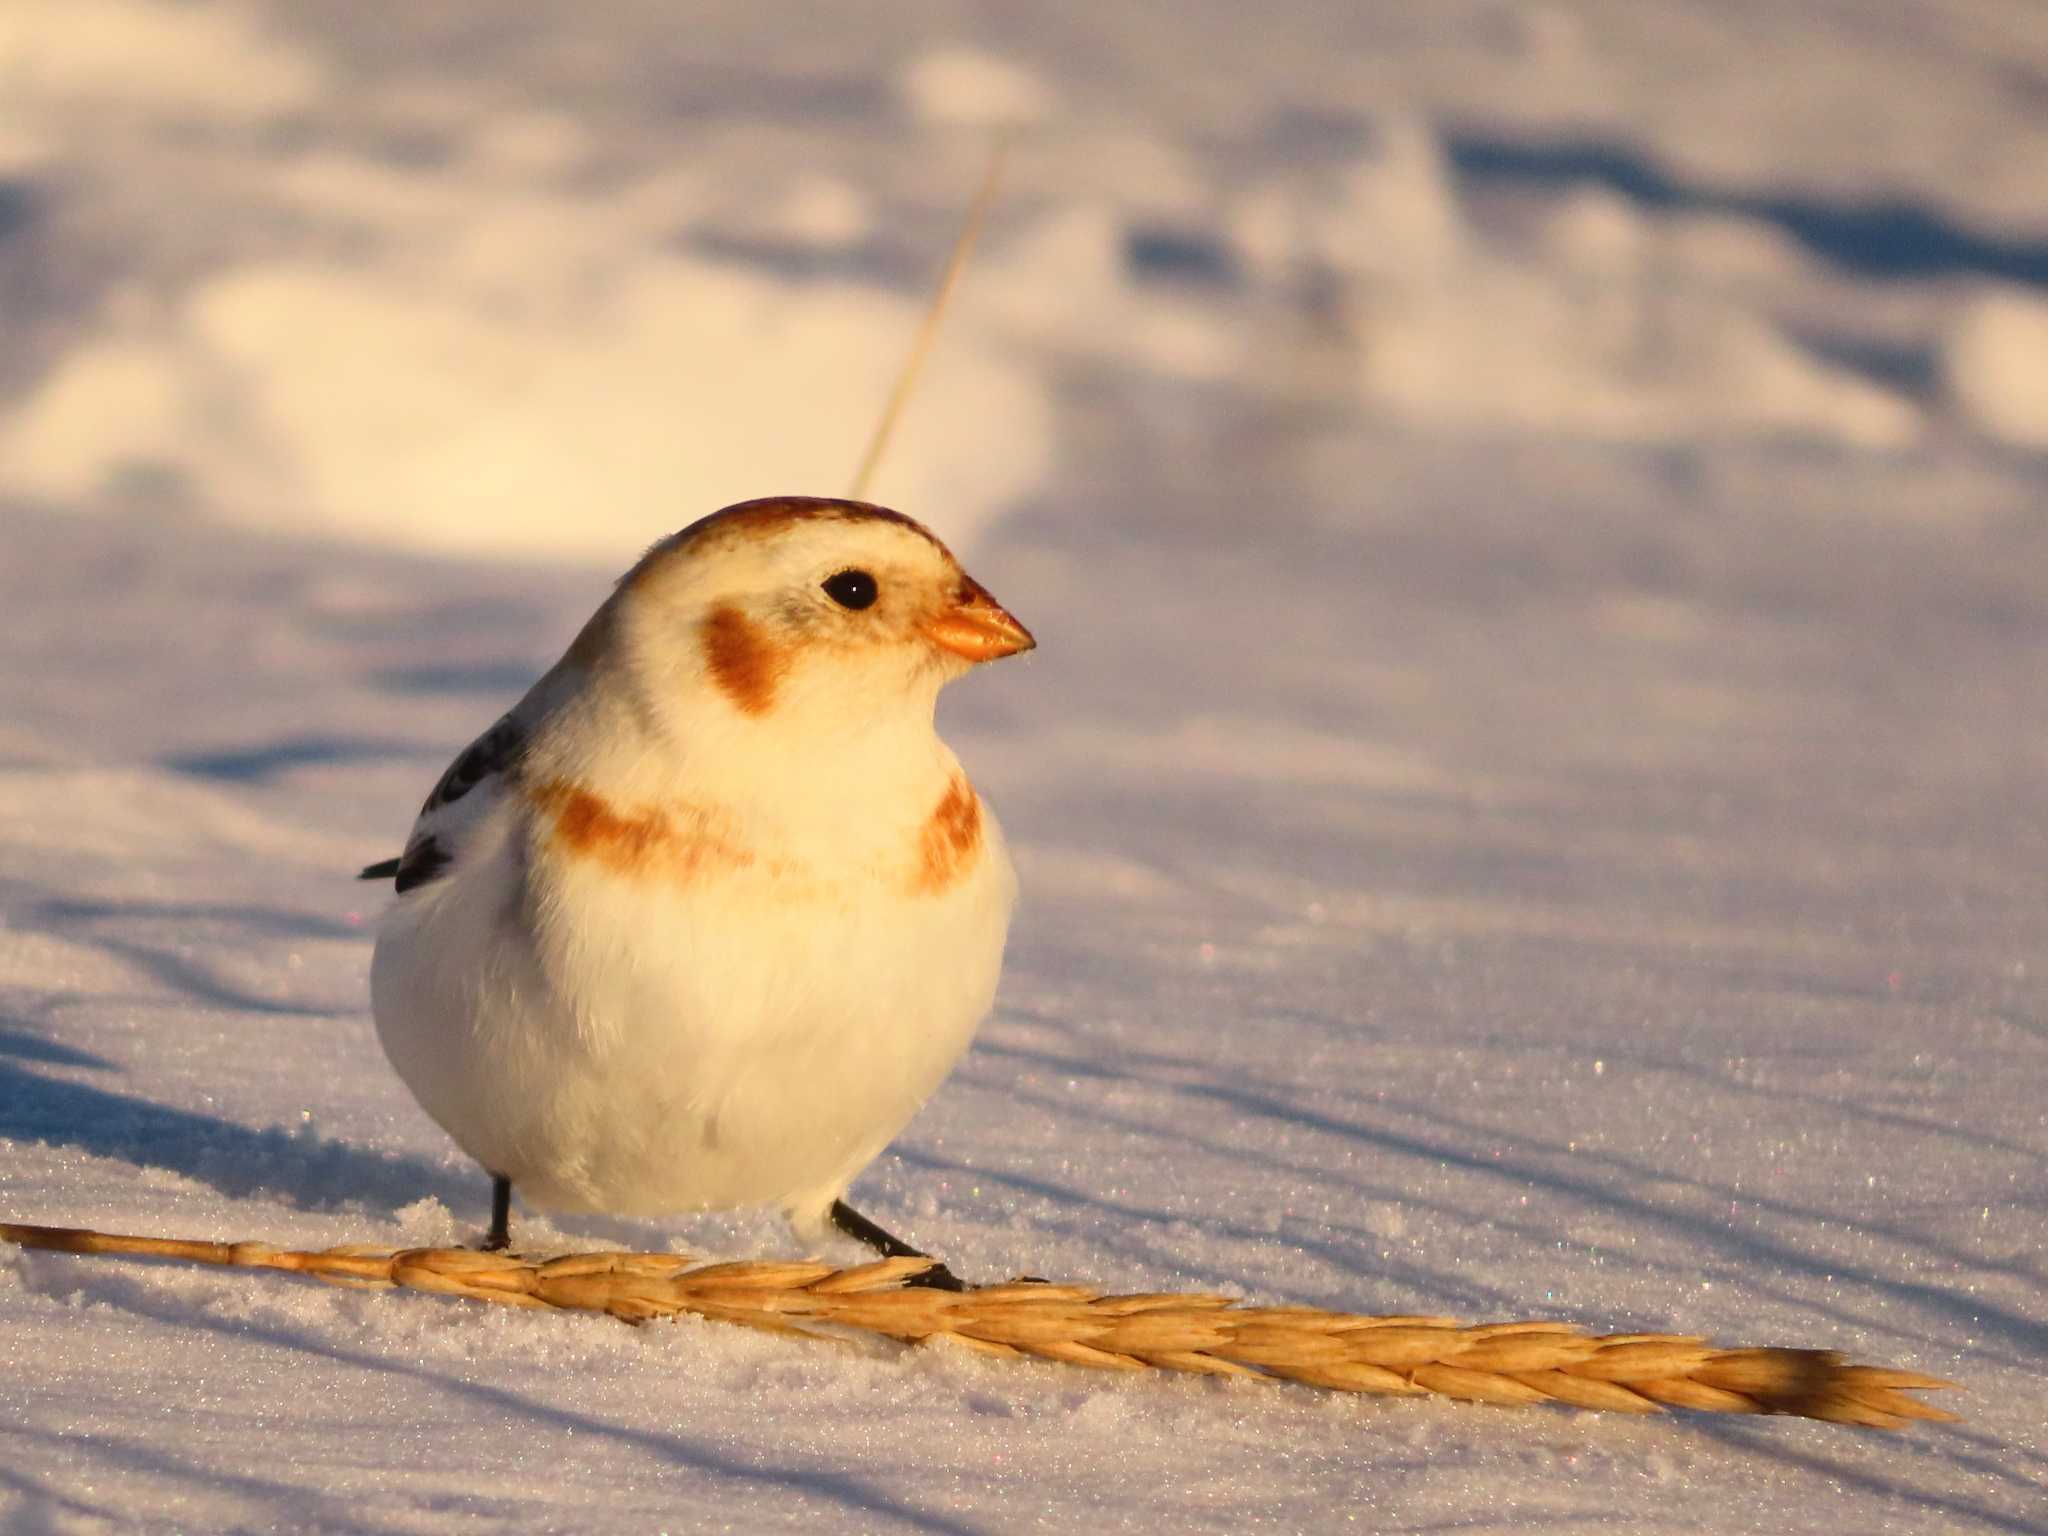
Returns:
(619, 1046)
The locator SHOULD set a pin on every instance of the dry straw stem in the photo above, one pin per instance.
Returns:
(1507, 1363)
(928, 330)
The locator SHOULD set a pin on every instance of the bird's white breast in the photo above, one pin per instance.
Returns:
(657, 1007)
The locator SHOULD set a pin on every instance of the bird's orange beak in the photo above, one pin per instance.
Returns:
(977, 627)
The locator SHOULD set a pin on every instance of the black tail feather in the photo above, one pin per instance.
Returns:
(388, 870)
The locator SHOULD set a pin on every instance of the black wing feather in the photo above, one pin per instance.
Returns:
(423, 861)
(425, 857)
(493, 752)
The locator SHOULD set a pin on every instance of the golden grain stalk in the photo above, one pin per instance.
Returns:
(1506, 1363)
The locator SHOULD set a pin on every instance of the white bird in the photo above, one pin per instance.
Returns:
(712, 911)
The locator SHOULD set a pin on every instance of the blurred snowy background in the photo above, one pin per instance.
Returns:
(1533, 800)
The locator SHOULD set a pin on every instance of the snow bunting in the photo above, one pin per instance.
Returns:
(711, 912)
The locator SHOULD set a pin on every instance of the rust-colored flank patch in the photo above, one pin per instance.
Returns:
(742, 661)
(951, 837)
(674, 843)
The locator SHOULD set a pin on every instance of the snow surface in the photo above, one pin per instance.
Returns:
(1533, 799)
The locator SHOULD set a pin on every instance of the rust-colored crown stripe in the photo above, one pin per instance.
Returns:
(770, 512)
(1505, 1363)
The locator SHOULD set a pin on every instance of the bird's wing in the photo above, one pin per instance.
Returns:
(474, 782)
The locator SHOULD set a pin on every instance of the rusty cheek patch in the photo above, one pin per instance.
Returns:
(742, 661)
(950, 838)
(674, 844)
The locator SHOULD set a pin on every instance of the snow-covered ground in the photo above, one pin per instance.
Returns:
(1533, 799)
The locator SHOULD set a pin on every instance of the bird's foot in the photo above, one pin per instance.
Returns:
(499, 1238)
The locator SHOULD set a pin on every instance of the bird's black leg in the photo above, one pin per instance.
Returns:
(889, 1246)
(500, 1237)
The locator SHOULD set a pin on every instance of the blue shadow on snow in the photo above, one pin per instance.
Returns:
(1887, 238)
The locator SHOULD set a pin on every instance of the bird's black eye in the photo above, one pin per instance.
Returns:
(852, 589)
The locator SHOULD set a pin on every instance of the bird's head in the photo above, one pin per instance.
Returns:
(833, 614)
